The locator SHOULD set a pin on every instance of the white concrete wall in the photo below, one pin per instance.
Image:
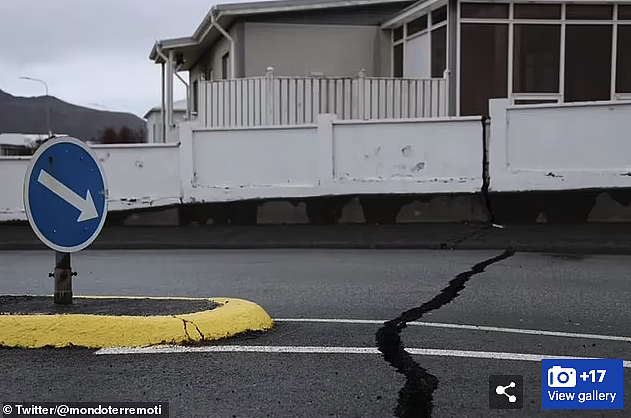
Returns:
(559, 146)
(277, 158)
(138, 176)
(438, 155)
(332, 158)
(12, 174)
(543, 147)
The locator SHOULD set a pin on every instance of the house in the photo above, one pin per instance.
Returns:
(530, 52)
(243, 39)
(367, 79)
(154, 120)
(17, 144)
(514, 107)
(304, 39)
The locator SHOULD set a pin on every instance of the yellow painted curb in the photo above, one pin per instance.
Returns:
(232, 317)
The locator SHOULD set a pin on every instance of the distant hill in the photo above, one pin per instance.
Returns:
(28, 115)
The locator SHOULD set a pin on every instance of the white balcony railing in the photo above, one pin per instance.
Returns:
(271, 100)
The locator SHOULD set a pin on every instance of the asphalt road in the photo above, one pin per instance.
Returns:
(570, 294)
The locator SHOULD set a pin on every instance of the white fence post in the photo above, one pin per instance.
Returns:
(269, 102)
(361, 96)
(202, 100)
(445, 94)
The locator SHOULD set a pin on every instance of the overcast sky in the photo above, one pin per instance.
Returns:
(93, 53)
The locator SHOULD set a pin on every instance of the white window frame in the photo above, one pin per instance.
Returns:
(563, 22)
(547, 97)
(430, 28)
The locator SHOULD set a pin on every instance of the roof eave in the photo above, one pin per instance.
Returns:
(291, 6)
(244, 9)
(167, 44)
(204, 24)
(153, 55)
(159, 109)
(278, 6)
(411, 13)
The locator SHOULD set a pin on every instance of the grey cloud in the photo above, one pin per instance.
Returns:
(92, 51)
(35, 31)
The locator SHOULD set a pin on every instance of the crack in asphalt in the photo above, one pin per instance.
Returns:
(416, 396)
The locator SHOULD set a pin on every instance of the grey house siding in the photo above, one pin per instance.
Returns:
(383, 54)
(297, 50)
(211, 60)
(240, 59)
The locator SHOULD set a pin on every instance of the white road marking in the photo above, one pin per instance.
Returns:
(460, 326)
(174, 349)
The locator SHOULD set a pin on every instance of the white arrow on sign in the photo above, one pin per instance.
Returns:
(85, 206)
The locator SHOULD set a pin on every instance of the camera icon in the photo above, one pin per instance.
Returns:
(561, 377)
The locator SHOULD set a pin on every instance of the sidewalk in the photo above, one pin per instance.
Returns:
(586, 238)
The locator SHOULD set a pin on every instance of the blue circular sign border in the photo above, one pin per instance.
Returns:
(27, 185)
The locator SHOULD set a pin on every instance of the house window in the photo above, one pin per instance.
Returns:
(439, 15)
(425, 41)
(589, 12)
(537, 11)
(397, 60)
(536, 58)
(582, 57)
(195, 96)
(398, 47)
(439, 51)
(224, 65)
(417, 25)
(623, 67)
(484, 10)
(535, 101)
(417, 63)
(483, 66)
(624, 12)
(587, 62)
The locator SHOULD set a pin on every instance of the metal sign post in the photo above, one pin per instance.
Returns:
(65, 199)
(63, 279)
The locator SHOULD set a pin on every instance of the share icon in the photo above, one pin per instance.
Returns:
(501, 390)
(499, 399)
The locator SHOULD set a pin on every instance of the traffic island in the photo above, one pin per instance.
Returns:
(101, 322)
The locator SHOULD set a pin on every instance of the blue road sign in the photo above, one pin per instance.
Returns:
(65, 194)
